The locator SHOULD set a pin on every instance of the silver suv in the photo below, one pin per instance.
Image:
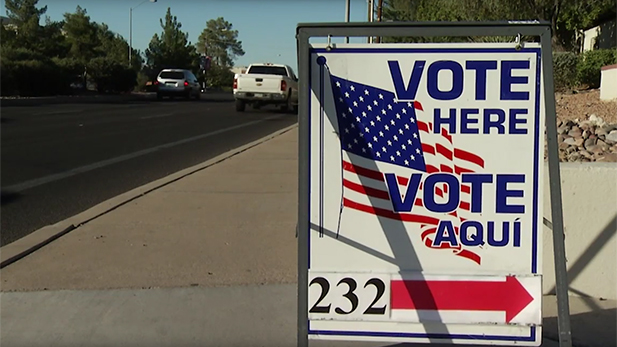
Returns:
(177, 82)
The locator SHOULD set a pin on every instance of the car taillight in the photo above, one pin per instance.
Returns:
(283, 85)
(156, 83)
(235, 83)
(186, 83)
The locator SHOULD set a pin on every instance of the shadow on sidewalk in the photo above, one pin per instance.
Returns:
(590, 329)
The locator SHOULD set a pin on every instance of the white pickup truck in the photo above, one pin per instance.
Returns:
(266, 84)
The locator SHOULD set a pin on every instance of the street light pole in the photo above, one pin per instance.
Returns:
(131, 29)
(130, 36)
(347, 10)
(379, 6)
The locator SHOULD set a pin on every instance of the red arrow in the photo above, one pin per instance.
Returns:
(509, 295)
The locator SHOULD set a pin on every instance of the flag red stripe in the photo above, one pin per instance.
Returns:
(422, 126)
(469, 255)
(431, 169)
(443, 151)
(381, 194)
(428, 149)
(376, 193)
(376, 175)
(446, 168)
(468, 156)
(404, 217)
(417, 105)
(460, 170)
(466, 189)
(445, 134)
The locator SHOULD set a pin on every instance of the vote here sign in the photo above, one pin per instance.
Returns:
(425, 193)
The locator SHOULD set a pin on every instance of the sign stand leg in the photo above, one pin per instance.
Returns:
(303, 189)
(561, 275)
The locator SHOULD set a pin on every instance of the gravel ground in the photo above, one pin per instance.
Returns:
(583, 104)
(587, 127)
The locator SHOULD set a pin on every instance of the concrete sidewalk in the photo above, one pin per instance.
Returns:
(208, 259)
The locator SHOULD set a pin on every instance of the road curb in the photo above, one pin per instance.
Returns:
(44, 236)
(79, 99)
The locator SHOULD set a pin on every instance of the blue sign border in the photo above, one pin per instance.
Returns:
(534, 251)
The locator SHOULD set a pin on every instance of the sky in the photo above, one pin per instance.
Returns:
(266, 27)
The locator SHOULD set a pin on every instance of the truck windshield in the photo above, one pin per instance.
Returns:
(268, 70)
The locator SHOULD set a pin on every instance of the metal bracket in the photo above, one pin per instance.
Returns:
(330, 46)
(518, 42)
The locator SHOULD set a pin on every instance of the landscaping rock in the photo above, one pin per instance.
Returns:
(586, 127)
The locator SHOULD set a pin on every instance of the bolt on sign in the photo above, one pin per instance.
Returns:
(421, 192)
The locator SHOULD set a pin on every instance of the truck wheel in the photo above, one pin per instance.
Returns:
(289, 107)
(240, 105)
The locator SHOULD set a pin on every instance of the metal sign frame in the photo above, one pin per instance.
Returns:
(541, 29)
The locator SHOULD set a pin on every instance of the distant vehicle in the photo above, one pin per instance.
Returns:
(266, 84)
(177, 82)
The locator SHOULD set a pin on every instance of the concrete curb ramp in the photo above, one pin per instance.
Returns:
(44, 236)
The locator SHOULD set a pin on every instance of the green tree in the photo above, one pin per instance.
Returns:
(109, 69)
(115, 47)
(220, 41)
(52, 42)
(566, 16)
(26, 17)
(171, 49)
(81, 36)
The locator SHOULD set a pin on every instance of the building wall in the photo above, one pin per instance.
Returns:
(602, 36)
(589, 195)
(608, 82)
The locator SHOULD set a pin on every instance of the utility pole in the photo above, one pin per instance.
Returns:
(347, 10)
(379, 7)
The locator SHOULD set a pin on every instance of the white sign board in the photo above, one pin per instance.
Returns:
(425, 193)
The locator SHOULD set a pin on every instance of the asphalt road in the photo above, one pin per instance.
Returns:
(59, 160)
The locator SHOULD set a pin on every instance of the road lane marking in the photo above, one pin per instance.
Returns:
(158, 116)
(58, 112)
(55, 177)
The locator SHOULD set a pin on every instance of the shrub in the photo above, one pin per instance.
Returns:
(111, 76)
(142, 79)
(565, 70)
(29, 73)
(32, 78)
(219, 76)
(591, 63)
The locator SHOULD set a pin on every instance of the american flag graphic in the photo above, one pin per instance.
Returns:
(374, 127)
